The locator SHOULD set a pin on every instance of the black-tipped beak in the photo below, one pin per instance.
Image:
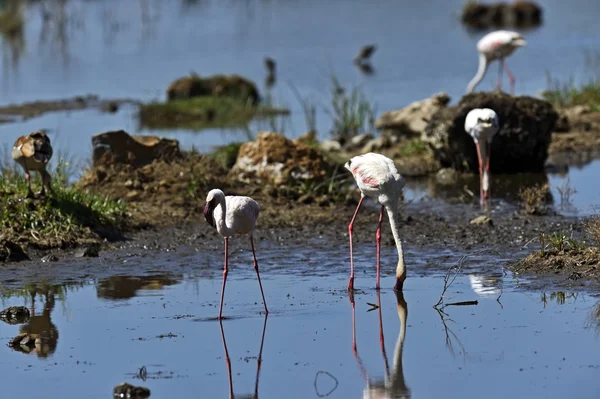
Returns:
(208, 213)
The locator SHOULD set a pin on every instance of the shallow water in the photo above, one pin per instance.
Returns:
(119, 313)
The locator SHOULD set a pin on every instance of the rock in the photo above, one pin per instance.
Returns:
(133, 195)
(446, 176)
(217, 85)
(11, 251)
(125, 390)
(49, 258)
(22, 342)
(15, 315)
(331, 146)
(359, 140)
(276, 159)
(411, 120)
(376, 144)
(517, 14)
(119, 147)
(481, 220)
(521, 145)
(91, 251)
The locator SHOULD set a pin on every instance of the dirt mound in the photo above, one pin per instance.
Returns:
(520, 14)
(275, 159)
(217, 85)
(521, 145)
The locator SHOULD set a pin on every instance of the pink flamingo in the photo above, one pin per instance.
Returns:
(378, 179)
(496, 46)
(232, 215)
(482, 125)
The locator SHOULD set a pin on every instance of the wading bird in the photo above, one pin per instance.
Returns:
(232, 215)
(482, 125)
(33, 153)
(496, 46)
(378, 179)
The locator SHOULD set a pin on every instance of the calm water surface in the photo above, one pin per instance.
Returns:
(133, 311)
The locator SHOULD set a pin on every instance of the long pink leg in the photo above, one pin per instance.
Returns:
(501, 66)
(259, 360)
(480, 172)
(487, 166)
(227, 361)
(361, 365)
(511, 78)
(381, 339)
(258, 275)
(350, 228)
(378, 240)
(224, 279)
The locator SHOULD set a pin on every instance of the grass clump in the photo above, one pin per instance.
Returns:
(203, 112)
(351, 112)
(412, 147)
(567, 94)
(12, 20)
(592, 227)
(533, 198)
(226, 155)
(65, 218)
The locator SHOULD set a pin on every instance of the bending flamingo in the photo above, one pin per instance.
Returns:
(496, 46)
(378, 179)
(232, 215)
(482, 125)
(33, 152)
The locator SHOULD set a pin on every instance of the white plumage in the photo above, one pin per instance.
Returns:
(233, 215)
(496, 46)
(482, 124)
(378, 179)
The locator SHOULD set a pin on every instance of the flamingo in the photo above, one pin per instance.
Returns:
(232, 215)
(33, 152)
(496, 46)
(377, 178)
(482, 125)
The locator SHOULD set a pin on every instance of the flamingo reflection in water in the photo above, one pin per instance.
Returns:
(258, 364)
(394, 385)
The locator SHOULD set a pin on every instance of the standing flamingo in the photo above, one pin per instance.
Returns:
(496, 46)
(378, 178)
(232, 215)
(482, 125)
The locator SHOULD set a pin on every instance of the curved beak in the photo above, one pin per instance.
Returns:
(519, 42)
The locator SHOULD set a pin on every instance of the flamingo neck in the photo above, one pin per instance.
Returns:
(397, 381)
(222, 227)
(483, 64)
(392, 211)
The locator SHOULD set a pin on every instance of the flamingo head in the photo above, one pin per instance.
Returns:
(212, 201)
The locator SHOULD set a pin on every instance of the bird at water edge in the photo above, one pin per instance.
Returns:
(482, 124)
(377, 178)
(33, 152)
(232, 215)
(496, 46)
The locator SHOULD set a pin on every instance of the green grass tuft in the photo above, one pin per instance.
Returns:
(567, 94)
(226, 155)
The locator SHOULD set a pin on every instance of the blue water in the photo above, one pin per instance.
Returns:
(131, 312)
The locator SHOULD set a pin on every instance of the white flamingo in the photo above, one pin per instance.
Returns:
(232, 215)
(496, 46)
(482, 125)
(378, 179)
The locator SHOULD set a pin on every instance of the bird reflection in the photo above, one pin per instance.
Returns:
(258, 364)
(394, 385)
(40, 327)
(486, 284)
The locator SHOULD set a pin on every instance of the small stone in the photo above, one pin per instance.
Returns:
(306, 199)
(446, 176)
(482, 220)
(88, 252)
(360, 140)
(331, 146)
(163, 183)
(49, 258)
(132, 195)
(128, 183)
(125, 390)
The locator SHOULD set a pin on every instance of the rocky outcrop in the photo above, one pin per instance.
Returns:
(411, 120)
(15, 315)
(217, 85)
(125, 390)
(119, 147)
(520, 14)
(278, 160)
(521, 145)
